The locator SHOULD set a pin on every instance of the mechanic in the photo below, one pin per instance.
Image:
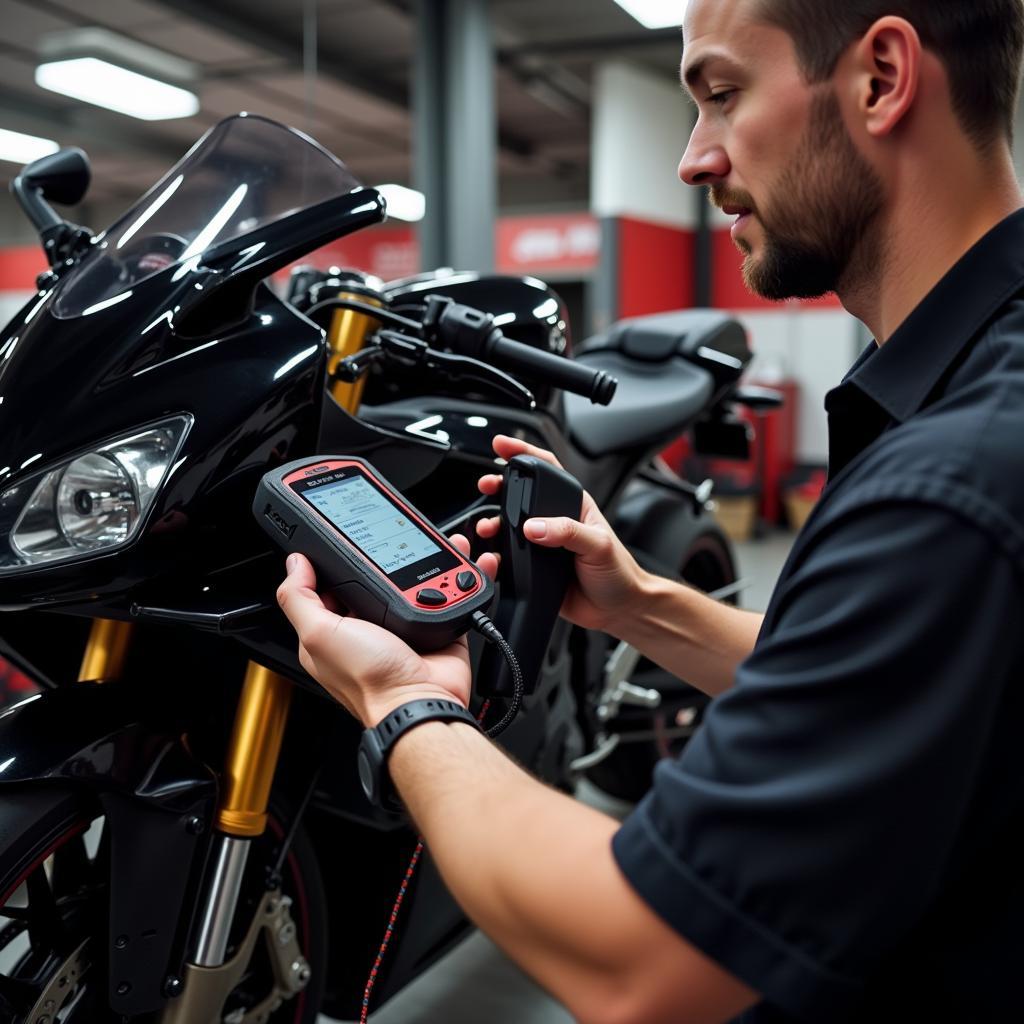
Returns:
(843, 837)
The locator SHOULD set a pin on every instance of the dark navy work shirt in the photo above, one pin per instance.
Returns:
(845, 833)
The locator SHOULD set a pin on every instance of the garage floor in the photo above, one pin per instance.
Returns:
(475, 983)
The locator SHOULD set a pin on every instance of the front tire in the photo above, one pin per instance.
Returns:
(54, 898)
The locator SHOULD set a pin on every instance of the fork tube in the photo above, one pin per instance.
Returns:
(105, 651)
(253, 753)
(348, 332)
(219, 909)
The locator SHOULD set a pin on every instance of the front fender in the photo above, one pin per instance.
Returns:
(96, 735)
(158, 800)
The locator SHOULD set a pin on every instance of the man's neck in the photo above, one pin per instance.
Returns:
(931, 225)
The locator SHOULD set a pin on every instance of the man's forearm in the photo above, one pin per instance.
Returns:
(485, 821)
(534, 869)
(689, 634)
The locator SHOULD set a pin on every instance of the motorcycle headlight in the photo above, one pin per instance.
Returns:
(92, 503)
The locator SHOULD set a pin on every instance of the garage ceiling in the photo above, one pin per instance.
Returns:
(251, 56)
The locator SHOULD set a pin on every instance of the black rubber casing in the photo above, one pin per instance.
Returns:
(532, 580)
(345, 573)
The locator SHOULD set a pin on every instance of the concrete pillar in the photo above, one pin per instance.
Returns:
(456, 132)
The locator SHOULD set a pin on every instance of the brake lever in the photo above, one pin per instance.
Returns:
(352, 367)
(419, 353)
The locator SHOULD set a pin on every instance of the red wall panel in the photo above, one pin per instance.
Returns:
(19, 266)
(655, 267)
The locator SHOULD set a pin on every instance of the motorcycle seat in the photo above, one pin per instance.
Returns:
(669, 367)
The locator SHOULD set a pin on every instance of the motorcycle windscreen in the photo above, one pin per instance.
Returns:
(243, 174)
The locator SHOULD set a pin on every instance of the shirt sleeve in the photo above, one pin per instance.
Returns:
(807, 826)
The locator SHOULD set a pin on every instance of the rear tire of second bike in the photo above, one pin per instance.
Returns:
(628, 772)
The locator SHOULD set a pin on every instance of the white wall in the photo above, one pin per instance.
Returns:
(814, 347)
(640, 127)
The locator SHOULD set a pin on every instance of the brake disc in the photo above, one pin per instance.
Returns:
(62, 989)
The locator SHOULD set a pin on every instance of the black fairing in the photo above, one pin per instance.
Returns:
(253, 392)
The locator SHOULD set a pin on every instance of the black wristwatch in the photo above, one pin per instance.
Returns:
(376, 745)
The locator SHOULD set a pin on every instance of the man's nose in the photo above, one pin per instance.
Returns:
(704, 162)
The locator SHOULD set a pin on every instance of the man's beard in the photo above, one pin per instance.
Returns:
(817, 223)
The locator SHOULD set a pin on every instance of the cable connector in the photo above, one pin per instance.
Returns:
(487, 629)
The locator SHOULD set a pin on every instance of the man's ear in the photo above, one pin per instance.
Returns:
(888, 66)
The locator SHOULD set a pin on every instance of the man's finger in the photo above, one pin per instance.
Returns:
(297, 598)
(489, 564)
(488, 528)
(301, 568)
(489, 484)
(460, 542)
(563, 532)
(509, 447)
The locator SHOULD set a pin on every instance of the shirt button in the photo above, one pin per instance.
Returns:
(431, 597)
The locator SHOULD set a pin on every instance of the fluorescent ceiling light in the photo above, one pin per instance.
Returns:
(23, 149)
(108, 85)
(404, 203)
(655, 13)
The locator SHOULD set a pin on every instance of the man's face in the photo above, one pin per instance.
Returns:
(775, 152)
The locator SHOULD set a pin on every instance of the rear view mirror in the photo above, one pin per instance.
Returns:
(63, 177)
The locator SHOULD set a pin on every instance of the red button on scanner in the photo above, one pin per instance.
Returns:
(431, 597)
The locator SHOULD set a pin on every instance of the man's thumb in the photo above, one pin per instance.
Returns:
(563, 532)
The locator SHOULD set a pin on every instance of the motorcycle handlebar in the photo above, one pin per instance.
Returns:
(471, 332)
(564, 373)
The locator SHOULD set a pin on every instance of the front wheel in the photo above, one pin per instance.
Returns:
(648, 737)
(54, 898)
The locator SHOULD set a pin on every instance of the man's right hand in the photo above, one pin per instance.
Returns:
(608, 579)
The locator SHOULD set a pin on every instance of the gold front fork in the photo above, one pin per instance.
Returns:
(105, 651)
(347, 336)
(260, 720)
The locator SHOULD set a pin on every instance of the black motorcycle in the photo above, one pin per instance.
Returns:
(183, 837)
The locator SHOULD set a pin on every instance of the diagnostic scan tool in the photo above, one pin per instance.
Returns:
(376, 554)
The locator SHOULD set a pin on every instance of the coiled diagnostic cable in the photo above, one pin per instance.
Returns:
(482, 625)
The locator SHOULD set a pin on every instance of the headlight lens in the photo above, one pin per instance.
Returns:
(92, 503)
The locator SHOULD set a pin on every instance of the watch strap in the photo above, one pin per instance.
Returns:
(377, 743)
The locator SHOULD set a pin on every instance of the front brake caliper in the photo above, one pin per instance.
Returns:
(206, 989)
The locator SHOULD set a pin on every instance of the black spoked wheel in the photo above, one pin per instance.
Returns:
(54, 896)
(647, 736)
(52, 909)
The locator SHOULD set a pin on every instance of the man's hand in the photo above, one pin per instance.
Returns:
(608, 579)
(369, 670)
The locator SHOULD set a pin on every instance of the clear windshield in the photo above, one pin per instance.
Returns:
(243, 173)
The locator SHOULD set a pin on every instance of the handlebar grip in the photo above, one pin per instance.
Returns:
(597, 385)
(471, 332)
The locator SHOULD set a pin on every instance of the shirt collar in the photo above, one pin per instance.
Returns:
(901, 374)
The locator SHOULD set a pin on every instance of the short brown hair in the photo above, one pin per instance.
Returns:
(980, 43)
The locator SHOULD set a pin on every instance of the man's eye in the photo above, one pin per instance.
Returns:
(720, 97)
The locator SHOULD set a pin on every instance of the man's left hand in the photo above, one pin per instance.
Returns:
(369, 670)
